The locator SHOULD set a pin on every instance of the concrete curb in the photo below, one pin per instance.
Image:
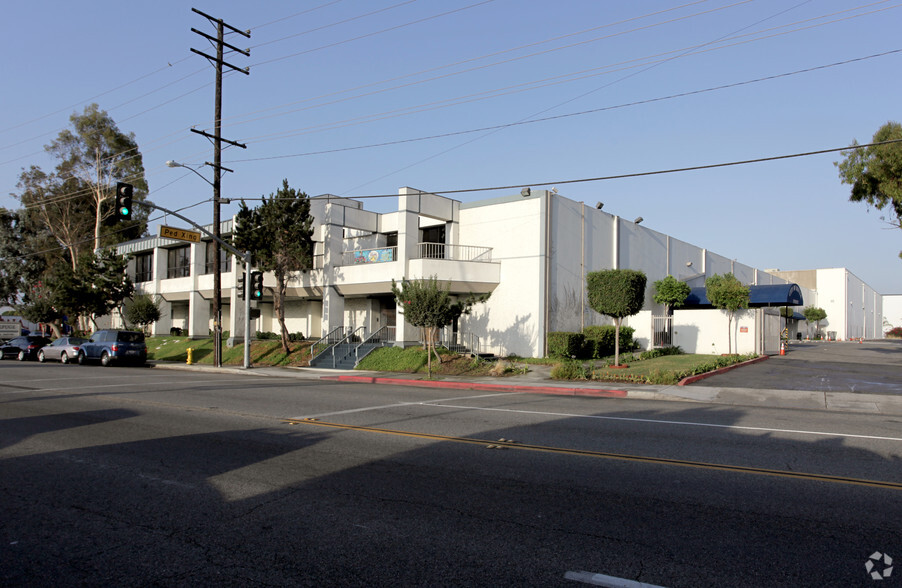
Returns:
(556, 390)
(698, 377)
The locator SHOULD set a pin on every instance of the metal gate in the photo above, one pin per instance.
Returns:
(662, 331)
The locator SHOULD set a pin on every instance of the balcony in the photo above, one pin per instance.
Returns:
(468, 268)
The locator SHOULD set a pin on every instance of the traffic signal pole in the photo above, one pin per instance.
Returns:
(245, 256)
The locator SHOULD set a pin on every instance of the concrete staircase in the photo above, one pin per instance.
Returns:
(342, 356)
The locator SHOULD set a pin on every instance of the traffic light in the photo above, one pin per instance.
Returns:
(256, 285)
(240, 286)
(124, 200)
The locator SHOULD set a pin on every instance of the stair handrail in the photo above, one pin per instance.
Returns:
(347, 338)
(377, 335)
(328, 341)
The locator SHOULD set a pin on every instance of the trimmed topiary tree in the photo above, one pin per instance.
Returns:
(616, 293)
(671, 292)
(727, 293)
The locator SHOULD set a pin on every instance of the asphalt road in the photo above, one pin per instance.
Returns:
(139, 477)
(871, 367)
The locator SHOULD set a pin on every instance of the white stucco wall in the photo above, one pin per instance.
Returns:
(512, 320)
(706, 331)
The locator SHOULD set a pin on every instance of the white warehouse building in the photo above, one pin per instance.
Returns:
(531, 251)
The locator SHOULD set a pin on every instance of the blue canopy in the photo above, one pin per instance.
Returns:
(759, 296)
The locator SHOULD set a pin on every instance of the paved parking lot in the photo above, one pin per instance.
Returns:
(871, 367)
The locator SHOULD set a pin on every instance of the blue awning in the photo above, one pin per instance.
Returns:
(759, 296)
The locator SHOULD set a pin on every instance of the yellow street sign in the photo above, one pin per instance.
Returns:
(180, 234)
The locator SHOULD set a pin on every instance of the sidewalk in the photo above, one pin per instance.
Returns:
(538, 381)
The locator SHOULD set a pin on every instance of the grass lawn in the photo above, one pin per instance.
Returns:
(668, 369)
(263, 352)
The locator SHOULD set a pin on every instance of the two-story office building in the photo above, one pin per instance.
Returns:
(531, 251)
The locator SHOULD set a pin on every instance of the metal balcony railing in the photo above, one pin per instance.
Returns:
(454, 252)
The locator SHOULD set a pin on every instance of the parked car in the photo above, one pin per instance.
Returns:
(23, 348)
(64, 349)
(110, 346)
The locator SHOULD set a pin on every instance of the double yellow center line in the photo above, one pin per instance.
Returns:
(508, 444)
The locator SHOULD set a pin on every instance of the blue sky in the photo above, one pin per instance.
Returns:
(570, 90)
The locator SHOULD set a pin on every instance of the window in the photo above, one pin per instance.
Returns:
(225, 260)
(144, 267)
(179, 262)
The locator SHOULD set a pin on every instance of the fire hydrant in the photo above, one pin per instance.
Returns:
(190, 351)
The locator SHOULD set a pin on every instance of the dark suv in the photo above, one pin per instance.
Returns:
(24, 347)
(114, 346)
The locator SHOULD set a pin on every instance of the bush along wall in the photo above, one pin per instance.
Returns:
(566, 345)
(594, 342)
(599, 340)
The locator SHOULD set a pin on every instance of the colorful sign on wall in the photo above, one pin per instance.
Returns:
(374, 255)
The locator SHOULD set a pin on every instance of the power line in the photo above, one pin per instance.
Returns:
(535, 84)
(573, 114)
(633, 174)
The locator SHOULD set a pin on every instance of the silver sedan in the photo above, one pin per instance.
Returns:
(64, 349)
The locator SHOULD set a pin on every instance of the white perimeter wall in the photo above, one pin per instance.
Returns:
(706, 331)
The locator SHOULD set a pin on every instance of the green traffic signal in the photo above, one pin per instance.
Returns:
(257, 285)
(124, 200)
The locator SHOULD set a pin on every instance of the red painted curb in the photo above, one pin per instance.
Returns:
(478, 386)
(696, 378)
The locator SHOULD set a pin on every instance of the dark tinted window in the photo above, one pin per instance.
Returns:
(131, 337)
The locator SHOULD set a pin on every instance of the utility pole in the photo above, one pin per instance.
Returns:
(219, 42)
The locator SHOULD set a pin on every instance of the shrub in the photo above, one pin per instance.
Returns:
(895, 332)
(570, 370)
(269, 335)
(599, 340)
(660, 352)
(564, 344)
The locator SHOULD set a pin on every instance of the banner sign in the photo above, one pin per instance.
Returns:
(373, 255)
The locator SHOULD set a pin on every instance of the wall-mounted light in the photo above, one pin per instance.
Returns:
(638, 220)
(688, 264)
(525, 192)
(599, 205)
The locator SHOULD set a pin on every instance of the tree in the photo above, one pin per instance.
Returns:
(19, 265)
(728, 294)
(77, 199)
(99, 155)
(428, 304)
(279, 235)
(104, 283)
(814, 315)
(875, 173)
(671, 292)
(143, 310)
(96, 287)
(616, 293)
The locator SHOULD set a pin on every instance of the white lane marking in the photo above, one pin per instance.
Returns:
(396, 405)
(608, 581)
(662, 422)
(87, 388)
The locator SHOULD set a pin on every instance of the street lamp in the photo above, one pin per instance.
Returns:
(217, 266)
